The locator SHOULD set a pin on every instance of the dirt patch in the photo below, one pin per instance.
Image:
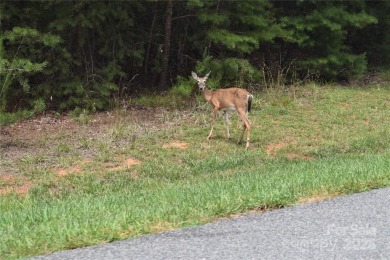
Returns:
(27, 133)
(272, 149)
(73, 169)
(43, 134)
(11, 183)
(7, 178)
(176, 144)
(298, 156)
(257, 210)
(79, 167)
(128, 163)
(69, 170)
(316, 198)
(39, 143)
(38, 127)
(131, 162)
(161, 226)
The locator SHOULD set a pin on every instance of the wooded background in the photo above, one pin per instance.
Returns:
(88, 53)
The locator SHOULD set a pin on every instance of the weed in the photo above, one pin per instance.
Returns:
(81, 115)
(63, 148)
(168, 101)
(10, 118)
(39, 106)
(184, 87)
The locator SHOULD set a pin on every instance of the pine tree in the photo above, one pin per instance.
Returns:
(232, 31)
(319, 32)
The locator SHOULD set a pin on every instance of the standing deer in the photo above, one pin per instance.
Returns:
(227, 99)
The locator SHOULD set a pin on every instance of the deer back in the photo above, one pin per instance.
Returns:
(230, 98)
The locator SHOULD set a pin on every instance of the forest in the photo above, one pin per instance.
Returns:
(64, 55)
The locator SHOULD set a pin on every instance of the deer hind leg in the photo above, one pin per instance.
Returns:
(226, 114)
(242, 134)
(246, 126)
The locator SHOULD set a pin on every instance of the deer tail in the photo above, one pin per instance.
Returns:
(249, 102)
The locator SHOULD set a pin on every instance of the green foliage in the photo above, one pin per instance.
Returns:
(80, 114)
(170, 100)
(230, 71)
(374, 39)
(11, 118)
(338, 66)
(97, 63)
(177, 97)
(87, 54)
(39, 106)
(19, 35)
(16, 67)
(238, 26)
(322, 32)
(241, 44)
(184, 87)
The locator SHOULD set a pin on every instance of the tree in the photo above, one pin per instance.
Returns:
(88, 54)
(235, 30)
(374, 38)
(318, 31)
(18, 65)
(167, 45)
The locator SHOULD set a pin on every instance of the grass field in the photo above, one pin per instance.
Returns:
(139, 175)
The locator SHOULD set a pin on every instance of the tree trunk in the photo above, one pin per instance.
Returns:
(146, 59)
(167, 45)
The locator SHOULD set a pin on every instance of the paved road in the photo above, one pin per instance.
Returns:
(350, 227)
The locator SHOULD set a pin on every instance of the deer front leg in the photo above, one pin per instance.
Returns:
(227, 123)
(215, 112)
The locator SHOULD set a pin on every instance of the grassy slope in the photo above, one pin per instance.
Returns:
(306, 142)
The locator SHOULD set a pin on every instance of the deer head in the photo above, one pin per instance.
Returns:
(201, 81)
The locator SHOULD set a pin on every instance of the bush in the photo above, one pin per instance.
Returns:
(228, 72)
(11, 118)
(184, 87)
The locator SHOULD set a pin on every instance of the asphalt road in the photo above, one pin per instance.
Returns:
(349, 227)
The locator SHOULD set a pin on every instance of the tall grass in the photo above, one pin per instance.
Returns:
(306, 142)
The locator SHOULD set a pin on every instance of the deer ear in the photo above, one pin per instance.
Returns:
(194, 75)
(207, 75)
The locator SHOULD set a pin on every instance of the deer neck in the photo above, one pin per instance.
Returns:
(207, 94)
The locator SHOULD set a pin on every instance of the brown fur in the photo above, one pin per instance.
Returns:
(227, 99)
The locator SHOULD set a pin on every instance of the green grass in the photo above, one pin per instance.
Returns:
(306, 142)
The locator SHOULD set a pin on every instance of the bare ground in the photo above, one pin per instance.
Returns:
(24, 141)
(38, 142)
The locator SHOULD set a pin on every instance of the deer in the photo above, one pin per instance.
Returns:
(227, 99)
